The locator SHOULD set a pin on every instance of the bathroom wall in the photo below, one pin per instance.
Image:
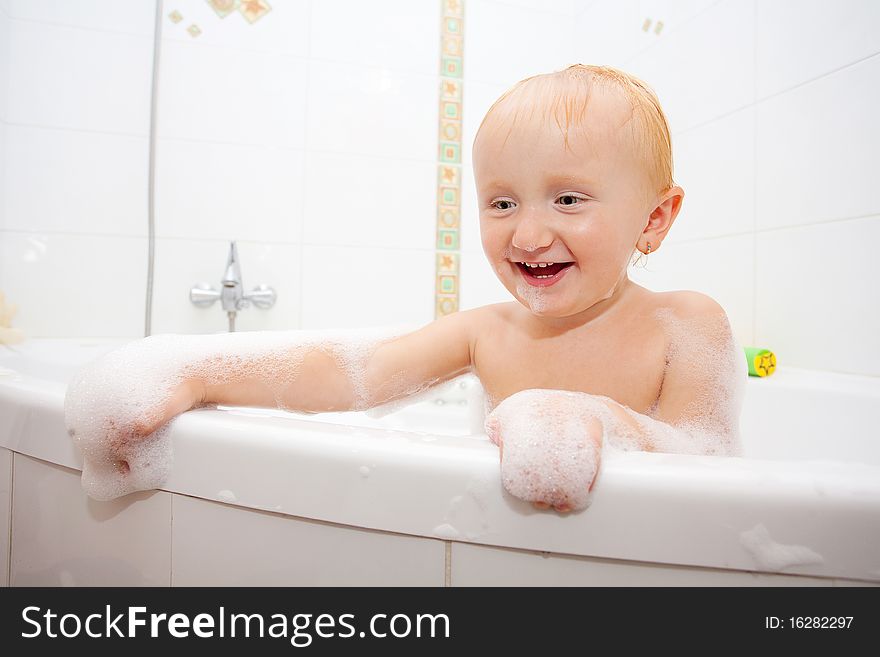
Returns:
(76, 86)
(316, 149)
(772, 105)
(313, 147)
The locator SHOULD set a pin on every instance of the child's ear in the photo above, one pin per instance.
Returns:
(661, 217)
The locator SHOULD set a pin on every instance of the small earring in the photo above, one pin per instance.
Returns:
(648, 251)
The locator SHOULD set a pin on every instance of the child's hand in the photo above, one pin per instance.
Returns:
(118, 411)
(551, 443)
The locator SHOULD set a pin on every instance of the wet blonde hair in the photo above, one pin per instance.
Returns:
(564, 96)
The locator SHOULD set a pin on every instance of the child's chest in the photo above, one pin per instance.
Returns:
(624, 362)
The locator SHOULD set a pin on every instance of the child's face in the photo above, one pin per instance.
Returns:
(540, 202)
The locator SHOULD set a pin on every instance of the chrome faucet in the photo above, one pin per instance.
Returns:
(232, 295)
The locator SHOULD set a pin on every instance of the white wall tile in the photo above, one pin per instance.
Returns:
(3, 187)
(68, 77)
(132, 16)
(608, 33)
(817, 149)
(182, 264)
(5, 513)
(799, 40)
(723, 268)
(283, 30)
(479, 283)
(816, 301)
(75, 285)
(210, 190)
(219, 545)
(5, 24)
(351, 287)
(61, 537)
(705, 68)
(394, 34)
(370, 201)
(504, 43)
(567, 7)
(74, 181)
(227, 95)
(479, 565)
(715, 165)
(372, 110)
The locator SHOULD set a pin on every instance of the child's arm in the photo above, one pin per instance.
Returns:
(338, 375)
(118, 409)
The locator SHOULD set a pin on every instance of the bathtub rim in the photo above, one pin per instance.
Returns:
(453, 482)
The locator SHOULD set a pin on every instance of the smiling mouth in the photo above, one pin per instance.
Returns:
(541, 271)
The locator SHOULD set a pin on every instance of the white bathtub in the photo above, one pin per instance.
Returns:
(264, 497)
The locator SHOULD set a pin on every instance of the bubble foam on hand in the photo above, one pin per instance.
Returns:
(551, 442)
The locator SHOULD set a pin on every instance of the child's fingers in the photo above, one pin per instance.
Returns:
(541, 505)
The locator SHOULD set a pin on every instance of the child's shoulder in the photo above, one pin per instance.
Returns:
(686, 304)
(688, 317)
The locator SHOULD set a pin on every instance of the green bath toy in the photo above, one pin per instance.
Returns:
(762, 362)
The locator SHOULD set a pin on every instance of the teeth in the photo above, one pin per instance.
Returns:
(536, 264)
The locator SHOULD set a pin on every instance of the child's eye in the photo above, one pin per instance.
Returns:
(569, 199)
(501, 204)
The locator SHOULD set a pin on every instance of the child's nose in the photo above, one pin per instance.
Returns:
(531, 233)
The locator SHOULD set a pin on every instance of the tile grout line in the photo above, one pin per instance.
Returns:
(755, 182)
(447, 575)
(61, 128)
(70, 26)
(171, 541)
(302, 214)
(389, 247)
(826, 74)
(11, 517)
(220, 142)
(757, 101)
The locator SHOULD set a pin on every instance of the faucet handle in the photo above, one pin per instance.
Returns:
(261, 296)
(203, 295)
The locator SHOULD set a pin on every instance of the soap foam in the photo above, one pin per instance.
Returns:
(112, 404)
(551, 444)
(534, 297)
(552, 439)
(702, 353)
(770, 555)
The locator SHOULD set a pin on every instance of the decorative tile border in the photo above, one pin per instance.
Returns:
(448, 256)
